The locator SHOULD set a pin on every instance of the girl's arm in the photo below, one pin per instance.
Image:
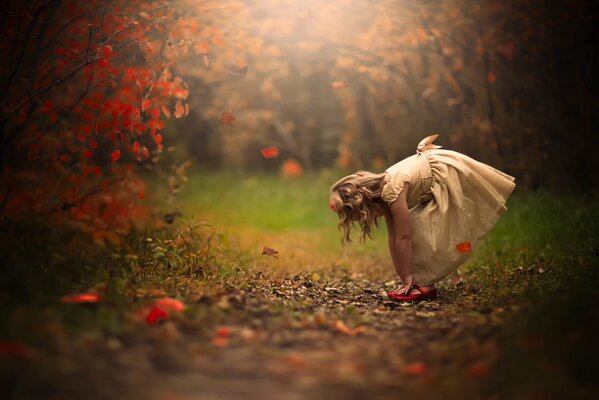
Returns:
(400, 240)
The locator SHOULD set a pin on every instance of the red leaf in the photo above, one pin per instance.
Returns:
(145, 104)
(464, 247)
(180, 93)
(53, 117)
(158, 138)
(136, 149)
(88, 153)
(270, 152)
(179, 109)
(155, 314)
(115, 155)
(81, 298)
(223, 332)
(416, 368)
(339, 85)
(166, 111)
(10, 348)
(491, 76)
(227, 117)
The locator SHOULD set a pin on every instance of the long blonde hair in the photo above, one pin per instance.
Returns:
(357, 198)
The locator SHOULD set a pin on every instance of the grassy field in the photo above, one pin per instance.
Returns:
(536, 224)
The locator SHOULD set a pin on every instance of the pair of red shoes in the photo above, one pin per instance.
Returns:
(415, 297)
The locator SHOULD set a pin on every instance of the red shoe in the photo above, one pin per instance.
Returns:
(415, 297)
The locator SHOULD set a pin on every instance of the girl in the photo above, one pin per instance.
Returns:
(437, 205)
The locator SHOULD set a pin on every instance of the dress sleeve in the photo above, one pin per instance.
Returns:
(393, 187)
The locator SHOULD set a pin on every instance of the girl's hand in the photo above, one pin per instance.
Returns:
(406, 287)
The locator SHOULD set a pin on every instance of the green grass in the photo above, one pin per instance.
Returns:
(536, 225)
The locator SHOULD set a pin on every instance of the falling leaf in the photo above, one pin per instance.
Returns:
(227, 117)
(291, 168)
(169, 304)
(339, 85)
(270, 152)
(267, 251)
(236, 71)
(464, 247)
(179, 109)
(416, 368)
(155, 315)
(15, 349)
(81, 298)
(115, 155)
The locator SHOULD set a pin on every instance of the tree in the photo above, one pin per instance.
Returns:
(85, 92)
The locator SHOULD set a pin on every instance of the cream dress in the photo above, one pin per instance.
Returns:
(453, 201)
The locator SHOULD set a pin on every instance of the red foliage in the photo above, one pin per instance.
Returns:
(87, 81)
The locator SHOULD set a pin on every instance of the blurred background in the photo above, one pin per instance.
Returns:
(355, 84)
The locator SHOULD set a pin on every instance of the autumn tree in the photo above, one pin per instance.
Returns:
(85, 90)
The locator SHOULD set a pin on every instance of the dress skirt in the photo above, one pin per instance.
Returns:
(468, 197)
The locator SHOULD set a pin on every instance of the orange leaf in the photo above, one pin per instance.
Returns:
(340, 326)
(267, 251)
(179, 109)
(339, 85)
(270, 152)
(81, 298)
(291, 168)
(416, 368)
(166, 111)
(169, 304)
(115, 155)
(464, 247)
(227, 117)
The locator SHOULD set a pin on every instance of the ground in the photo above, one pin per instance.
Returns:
(310, 321)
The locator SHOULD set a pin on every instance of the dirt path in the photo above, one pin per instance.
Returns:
(285, 336)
